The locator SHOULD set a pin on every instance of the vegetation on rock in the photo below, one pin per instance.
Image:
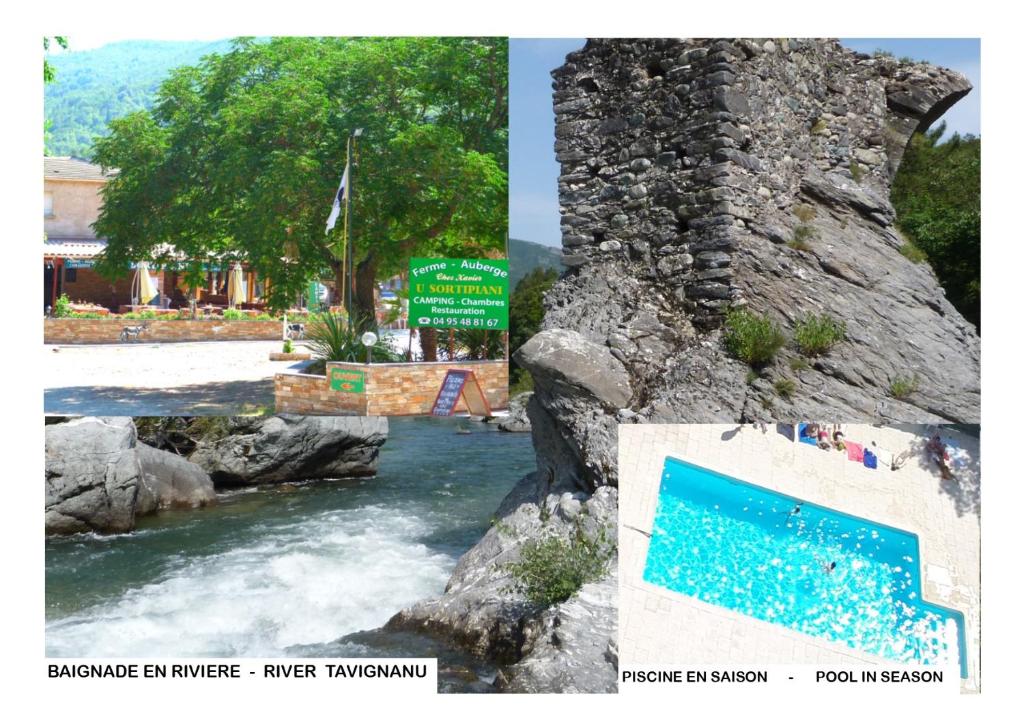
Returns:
(552, 569)
(817, 334)
(752, 338)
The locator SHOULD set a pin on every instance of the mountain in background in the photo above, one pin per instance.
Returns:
(525, 256)
(92, 87)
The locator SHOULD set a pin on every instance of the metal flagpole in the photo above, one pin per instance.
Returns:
(348, 225)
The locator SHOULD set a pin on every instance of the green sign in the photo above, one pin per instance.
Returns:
(461, 293)
(348, 380)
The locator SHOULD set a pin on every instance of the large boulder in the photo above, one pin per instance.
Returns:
(93, 476)
(170, 481)
(517, 419)
(284, 448)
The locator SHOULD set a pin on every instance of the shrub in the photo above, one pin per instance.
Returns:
(230, 314)
(804, 212)
(752, 338)
(552, 569)
(798, 364)
(801, 235)
(331, 338)
(816, 334)
(913, 252)
(62, 308)
(856, 171)
(903, 387)
(785, 387)
(287, 347)
(752, 377)
(820, 126)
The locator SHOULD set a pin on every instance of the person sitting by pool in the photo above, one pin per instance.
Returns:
(823, 442)
(937, 452)
(837, 439)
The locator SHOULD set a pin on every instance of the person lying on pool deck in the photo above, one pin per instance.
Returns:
(937, 452)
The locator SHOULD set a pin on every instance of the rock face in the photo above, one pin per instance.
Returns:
(569, 647)
(284, 448)
(698, 176)
(93, 476)
(170, 481)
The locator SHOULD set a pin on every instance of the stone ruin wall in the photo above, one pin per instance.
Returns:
(673, 152)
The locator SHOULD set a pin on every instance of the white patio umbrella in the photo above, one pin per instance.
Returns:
(143, 284)
(236, 286)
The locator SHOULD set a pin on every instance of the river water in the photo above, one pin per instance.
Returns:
(309, 572)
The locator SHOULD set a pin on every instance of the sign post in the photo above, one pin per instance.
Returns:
(458, 293)
(460, 383)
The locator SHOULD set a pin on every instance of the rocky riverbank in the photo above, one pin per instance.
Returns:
(100, 476)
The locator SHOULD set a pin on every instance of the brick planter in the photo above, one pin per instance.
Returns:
(288, 356)
(69, 330)
(406, 388)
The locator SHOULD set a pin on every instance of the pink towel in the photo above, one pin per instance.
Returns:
(855, 451)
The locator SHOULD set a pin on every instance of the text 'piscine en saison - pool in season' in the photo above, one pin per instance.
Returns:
(459, 293)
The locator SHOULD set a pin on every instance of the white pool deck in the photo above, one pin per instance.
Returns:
(661, 628)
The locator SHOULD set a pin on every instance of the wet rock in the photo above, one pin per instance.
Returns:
(517, 420)
(171, 481)
(285, 448)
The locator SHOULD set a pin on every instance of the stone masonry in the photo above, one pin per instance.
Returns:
(72, 330)
(390, 389)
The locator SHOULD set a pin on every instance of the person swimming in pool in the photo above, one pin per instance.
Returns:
(795, 511)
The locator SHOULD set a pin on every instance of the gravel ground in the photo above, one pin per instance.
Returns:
(185, 378)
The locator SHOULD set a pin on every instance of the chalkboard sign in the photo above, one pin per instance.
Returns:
(460, 383)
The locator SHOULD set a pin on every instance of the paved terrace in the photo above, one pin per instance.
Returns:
(660, 628)
(183, 378)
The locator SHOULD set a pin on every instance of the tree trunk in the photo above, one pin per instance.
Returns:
(339, 282)
(428, 343)
(365, 298)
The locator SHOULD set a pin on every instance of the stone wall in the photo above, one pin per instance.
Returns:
(389, 389)
(69, 330)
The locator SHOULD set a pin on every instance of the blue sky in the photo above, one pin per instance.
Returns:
(533, 172)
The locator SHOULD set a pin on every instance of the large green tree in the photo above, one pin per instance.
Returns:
(937, 196)
(240, 157)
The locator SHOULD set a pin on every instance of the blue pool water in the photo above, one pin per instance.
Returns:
(736, 545)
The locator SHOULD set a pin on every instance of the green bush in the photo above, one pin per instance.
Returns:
(230, 314)
(62, 308)
(752, 338)
(801, 235)
(856, 171)
(785, 387)
(903, 387)
(287, 347)
(816, 334)
(552, 569)
(330, 338)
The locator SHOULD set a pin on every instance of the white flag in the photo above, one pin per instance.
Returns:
(338, 199)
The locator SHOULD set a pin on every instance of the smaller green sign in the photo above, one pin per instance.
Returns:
(348, 380)
(459, 293)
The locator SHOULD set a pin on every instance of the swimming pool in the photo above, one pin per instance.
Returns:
(800, 565)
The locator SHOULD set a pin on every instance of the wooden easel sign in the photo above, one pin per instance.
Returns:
(460, 383)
